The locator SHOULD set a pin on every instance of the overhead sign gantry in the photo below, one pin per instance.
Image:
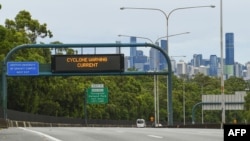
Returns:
(82, 65)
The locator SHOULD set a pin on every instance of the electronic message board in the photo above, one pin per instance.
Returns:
(87, 63)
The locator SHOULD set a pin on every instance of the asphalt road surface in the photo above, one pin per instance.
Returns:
(109, 134)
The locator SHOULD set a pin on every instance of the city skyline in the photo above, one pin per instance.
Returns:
(198, 64)
(97, 21)
(228, 50)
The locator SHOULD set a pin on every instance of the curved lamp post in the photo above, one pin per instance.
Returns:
(121, 35)
(156, 41)
(166, 16)
(183, 94)
(223, 119)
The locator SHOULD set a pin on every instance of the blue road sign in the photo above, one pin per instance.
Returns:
(22, 68)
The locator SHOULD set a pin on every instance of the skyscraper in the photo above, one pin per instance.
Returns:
(229, 58)
(197, 60)
(163, 61)
(213, 69)
(132, 52)
(154, 59)
(181, 68)
(140, 61)
(118, 49)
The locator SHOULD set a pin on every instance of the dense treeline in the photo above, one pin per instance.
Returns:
(130, 97)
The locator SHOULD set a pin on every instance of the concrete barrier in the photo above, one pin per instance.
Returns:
(3, 123)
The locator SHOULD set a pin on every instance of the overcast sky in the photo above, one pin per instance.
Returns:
(101, 21)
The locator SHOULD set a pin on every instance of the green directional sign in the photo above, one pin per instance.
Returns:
(97, 95)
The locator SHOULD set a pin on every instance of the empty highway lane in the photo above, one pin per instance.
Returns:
(109, 134)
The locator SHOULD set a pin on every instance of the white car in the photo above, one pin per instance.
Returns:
(140, 123)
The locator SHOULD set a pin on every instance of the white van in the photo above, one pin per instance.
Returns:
(140, 123)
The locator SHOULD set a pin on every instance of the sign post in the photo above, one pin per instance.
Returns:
(97, 94)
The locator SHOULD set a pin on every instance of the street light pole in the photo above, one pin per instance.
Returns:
(184, 103)
(183, 93)
(122, 35)
(222, 67)
(202, 113)
(166, 16)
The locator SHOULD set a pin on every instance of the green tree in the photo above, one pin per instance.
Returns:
(24, 23)
(24, 93)
(246, 113)
(234, 84)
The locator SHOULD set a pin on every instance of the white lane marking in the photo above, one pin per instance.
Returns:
(154, 136)
(42, 134)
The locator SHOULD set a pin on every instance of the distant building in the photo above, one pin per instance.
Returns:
(204, 70)
(118, 49)
(154, 59)
(211, 66)
(137, 60)
(126, 62)
(213, 70)
(163, 62)
(238, 69)
(197, 60)
(248, 70)
(181, 68)
(132, 52)
(140, 60)
(229, 58)
(174, 65)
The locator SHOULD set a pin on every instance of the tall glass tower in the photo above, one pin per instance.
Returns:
(229, 58)
(229, 49)
(132, 52)
(154, 59)
(163, 61)
(198, 61)
(213, 69)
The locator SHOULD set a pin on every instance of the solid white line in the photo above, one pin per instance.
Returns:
(42, 134)
(154, 136)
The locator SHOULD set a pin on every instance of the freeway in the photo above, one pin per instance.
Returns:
(109, 134)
